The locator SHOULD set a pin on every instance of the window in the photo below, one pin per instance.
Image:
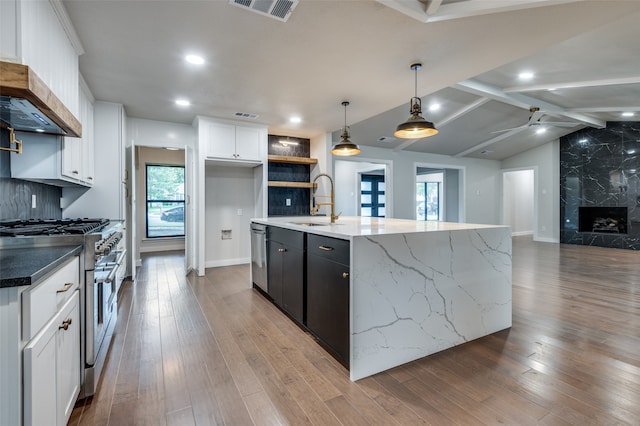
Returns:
(372, 196)
(428, 201)
(165, 201)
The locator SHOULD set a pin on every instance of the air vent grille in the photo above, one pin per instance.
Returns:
(276, 9)
(245, 115)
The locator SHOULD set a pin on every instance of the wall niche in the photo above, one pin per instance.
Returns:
(600, 186)
(289, 181)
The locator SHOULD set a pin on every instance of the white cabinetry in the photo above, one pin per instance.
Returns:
(40, 352)
(39, 34)
(52, 368)
(107, 197)
(233, 142)
(77, 153)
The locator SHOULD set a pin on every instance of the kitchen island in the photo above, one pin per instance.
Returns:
(415, 288)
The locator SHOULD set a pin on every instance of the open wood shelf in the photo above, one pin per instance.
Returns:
(285, 184)
(293, 160)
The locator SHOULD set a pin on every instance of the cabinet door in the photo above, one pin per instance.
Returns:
(292, 282)
(68, 361)
(328, 303)
(39, 378)
(274, 271)
(248, 143)
(52, 369)
(222, 140)
(72, 158)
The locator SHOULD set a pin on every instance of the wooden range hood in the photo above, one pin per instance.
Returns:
(27, 104)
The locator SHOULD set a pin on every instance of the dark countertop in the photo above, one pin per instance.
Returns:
(26, 266)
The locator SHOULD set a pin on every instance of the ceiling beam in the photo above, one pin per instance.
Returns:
(448, 119)
(491, 141)
(436, 11)
(607, 109)
(523, 101)
(574, 84)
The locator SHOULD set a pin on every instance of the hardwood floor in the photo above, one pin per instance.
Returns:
(210, 350)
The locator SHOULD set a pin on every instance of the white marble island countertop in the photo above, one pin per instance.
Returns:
(417, 287)
(355, 226)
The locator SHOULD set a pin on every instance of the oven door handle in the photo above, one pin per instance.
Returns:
(121, 256)
(112, 275)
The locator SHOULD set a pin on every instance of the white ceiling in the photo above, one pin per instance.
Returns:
(361, 50)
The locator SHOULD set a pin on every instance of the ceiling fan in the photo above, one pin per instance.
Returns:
(534, 120)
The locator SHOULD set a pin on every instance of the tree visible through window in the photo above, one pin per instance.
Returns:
(165, 201)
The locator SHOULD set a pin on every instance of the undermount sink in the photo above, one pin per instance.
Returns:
(310, 223)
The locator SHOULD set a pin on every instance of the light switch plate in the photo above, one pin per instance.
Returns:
(288, 201)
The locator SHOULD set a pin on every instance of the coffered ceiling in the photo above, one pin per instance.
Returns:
(328, 51)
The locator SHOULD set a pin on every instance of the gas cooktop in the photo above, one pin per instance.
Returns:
(14, 228)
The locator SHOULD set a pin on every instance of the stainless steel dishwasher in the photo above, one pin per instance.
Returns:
(259, 256)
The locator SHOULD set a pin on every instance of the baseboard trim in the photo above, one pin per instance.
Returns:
(547, 240)
(520, 233)
(227, 262)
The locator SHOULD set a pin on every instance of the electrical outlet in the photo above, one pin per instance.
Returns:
(288, 201)
(33, 201)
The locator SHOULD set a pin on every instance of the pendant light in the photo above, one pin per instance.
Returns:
(416, 127)
(345, 147)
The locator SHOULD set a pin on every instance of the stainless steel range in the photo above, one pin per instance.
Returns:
(104, 266)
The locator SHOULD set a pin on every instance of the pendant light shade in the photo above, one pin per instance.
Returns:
(345, 147)
(416, 126)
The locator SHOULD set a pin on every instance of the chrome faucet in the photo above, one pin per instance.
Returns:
(316, 205)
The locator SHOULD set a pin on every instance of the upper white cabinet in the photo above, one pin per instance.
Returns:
(39, 34)
(107, 197)
(233, 142)
(77, 153)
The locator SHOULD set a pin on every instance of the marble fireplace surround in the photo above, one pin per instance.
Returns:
(600, 168)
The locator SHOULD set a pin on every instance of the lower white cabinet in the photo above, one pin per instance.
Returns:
(52, 368)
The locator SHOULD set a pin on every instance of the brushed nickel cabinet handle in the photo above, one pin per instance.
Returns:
(65, 324)
(325, 248)
(281, 250)
(66, 287)
(345, 275)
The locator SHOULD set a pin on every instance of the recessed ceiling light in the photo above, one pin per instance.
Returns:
(183, 102)
(295, 119)
(171, 148)
(552, 89)
(526, 75)
(628, 114)
(194, 59)
(40, 130)
(541, 130)
(434, 107)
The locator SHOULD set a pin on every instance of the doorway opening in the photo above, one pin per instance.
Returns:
(518, 203)
(438, 194)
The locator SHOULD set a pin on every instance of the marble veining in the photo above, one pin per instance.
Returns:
(414, 295)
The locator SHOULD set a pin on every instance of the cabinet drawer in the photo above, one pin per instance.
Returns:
(41, 303)
(330, 248)
(291, 239)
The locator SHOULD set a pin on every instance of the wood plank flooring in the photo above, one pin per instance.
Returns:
(210, 350)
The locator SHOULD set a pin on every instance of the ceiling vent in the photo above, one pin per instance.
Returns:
(276, 9)
(245, 115)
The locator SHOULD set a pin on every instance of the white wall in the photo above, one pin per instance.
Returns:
(144, 156)
(518, 192)
(481, 182)
(547, 187)
(228, 191)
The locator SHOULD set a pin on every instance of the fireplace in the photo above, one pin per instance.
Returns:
(610, 220)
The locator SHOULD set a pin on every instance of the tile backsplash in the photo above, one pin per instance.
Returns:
(16, 197)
